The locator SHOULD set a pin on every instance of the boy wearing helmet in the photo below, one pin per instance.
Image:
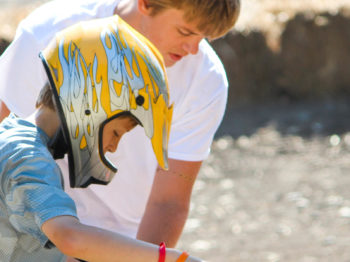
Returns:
(105, 78)
(158, 200)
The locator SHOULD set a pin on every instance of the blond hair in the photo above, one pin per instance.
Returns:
(214, 18)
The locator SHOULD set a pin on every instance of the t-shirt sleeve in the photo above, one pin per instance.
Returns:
(22, 74)
(35, 196)
(193, 130)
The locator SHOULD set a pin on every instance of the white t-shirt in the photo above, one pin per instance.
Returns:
(198, 89)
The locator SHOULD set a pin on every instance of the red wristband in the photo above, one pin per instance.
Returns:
(162, 252)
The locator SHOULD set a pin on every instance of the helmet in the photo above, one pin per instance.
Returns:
(99, 70)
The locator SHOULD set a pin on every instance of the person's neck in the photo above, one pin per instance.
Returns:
(47, 119)
(128, 11)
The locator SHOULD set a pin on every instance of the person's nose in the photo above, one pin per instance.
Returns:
(191, 47)
(113, 145)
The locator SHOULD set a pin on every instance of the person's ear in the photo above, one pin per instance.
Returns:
(143, 6)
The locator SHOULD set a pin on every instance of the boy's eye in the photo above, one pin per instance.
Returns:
(182, 32)
(115, 133)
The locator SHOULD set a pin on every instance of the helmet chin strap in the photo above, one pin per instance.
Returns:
(57, 145)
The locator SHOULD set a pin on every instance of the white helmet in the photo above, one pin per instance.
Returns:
(99, 70)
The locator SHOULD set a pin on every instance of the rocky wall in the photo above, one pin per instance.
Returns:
(312, 60)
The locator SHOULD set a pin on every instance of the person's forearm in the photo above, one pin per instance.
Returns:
(112, 247)
(163, 224)
(168, 204)
(93, 244)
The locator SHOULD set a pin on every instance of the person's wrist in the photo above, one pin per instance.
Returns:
(172, 254)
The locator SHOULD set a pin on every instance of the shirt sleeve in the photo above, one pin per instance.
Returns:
(193, 128)
(22, 74)
(35, 196)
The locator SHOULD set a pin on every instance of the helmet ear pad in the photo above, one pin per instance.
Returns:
(57, 145)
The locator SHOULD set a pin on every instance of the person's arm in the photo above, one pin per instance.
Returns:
(93, 244)
(4, 111)
(168, 204)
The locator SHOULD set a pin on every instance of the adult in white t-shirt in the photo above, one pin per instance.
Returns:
(142, 200)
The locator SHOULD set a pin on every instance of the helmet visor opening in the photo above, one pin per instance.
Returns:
(110, 134)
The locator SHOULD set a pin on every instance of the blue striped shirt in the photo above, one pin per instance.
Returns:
(31, 192)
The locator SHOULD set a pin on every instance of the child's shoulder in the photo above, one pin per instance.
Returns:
(17, 130)
(23, 146)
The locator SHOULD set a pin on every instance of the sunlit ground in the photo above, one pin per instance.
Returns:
(276, 189)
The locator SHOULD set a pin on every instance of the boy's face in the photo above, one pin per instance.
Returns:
(171, 34)
(113, 132)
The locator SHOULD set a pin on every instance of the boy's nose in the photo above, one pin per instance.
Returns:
(192, 47)
(113, 146)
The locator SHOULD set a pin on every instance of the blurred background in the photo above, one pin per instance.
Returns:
(276, 186)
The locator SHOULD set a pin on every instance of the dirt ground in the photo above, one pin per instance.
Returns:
(276, 186)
